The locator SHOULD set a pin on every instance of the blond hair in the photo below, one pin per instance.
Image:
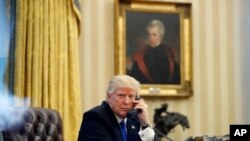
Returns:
(123, 81)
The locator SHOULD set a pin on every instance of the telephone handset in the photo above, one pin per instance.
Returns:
(134, 112)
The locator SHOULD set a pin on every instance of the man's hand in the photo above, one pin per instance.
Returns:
(143, 111)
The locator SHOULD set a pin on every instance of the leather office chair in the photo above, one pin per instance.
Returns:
(39, 124)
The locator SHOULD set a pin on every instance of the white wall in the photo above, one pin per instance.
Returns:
(245, 30)
(220, 59)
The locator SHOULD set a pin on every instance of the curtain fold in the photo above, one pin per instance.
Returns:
(46, 58)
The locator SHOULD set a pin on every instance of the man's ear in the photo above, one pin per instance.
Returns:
(108, 97)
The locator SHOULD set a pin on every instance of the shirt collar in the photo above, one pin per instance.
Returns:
(120, 119)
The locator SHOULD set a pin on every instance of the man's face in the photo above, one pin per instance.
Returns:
(154, 36)
(121, 101)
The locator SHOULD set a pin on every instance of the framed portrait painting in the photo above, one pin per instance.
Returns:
(153, 45)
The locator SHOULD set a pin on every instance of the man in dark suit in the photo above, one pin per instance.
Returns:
(102, 123)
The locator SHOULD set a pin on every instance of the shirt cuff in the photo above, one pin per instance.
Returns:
(147, 134)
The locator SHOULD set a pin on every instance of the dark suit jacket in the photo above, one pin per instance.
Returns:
(100, 124)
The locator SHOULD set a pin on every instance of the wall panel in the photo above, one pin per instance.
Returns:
(217, 69)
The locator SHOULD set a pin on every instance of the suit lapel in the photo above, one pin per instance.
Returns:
(116, 130)
(132, 129)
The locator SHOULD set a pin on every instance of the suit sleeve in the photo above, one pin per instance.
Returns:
(92, 129)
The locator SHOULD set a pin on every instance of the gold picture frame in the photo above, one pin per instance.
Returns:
(131, 19)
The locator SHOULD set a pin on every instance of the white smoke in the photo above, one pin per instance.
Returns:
(11, 116)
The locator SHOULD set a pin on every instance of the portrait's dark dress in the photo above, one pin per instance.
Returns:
(156, 65)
